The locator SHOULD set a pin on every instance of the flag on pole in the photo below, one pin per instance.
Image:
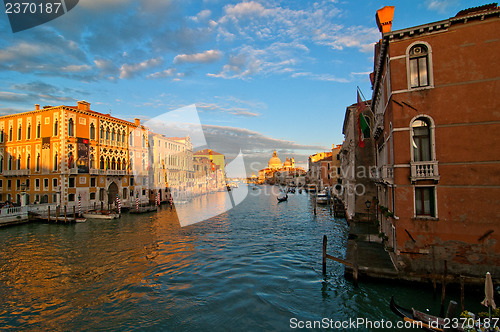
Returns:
(363, 126)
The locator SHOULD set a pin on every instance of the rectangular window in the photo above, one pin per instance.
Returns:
(131, 181)
(37, 184)
(1, 184)
(72, 182)
(425, 204)
(54, 183)
(18, 184)
(54, 198)
(9, 184)
(418, 72)
(71, 197)
(92, 182)
(45, 184)
(92, 196)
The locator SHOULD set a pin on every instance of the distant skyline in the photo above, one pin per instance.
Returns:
(263, 75)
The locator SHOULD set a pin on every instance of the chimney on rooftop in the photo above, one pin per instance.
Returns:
(83, 105)
(137, 122)
(384, 18)
(37, 107)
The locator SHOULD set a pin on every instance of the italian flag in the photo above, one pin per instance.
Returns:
(363, 127)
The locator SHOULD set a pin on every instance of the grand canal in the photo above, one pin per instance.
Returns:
(254, 267)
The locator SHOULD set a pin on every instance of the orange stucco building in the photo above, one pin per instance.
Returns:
(435, 99)
(59, 155)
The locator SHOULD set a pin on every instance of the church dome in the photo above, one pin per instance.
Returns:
(287, 163)
(274, 162)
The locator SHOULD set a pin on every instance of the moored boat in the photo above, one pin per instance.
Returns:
(429, 322)
(100, 214)
(322, 197)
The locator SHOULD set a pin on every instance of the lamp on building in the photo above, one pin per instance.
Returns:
(368, 203)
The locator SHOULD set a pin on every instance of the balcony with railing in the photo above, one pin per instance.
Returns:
(15, 172)
(424, 170)
(387, 173)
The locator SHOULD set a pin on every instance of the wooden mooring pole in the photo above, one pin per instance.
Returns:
(65, 215)
(354, 265)
(48, 215)
(462, 293)
(325, 240)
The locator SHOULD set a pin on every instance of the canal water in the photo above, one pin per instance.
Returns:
(254, 267)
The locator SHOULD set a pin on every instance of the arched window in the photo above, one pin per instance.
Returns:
(56, 127)
(38, 163)
(28, 158)
(10, 134)
(101, 164)
(113, 135)
(107, 162)
(38, 130)
(1, 136)
(130, 141)
(118, 164)
(143, 141)
(107, 133)
(124, 164)
(421, 139)
(55, 162)
(19, 130)
(71, 129)
(92, 161)
(113, 163)
(123, 136)
(28, 132)
(1, 164)
(18, 161)
(102, 133)
(419, 66)
(92, 131)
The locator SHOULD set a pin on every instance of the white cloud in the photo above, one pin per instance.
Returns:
(204, 57)
(165, 73)
(202, 16)
(440, 5)
(76, 68)
(130, 70)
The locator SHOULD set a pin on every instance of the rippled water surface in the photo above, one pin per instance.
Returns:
(251, 268)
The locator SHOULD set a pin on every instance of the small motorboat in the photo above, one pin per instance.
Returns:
(429, 322)
(100, 214)
(80, 219)
(282, 199)
(322, 197)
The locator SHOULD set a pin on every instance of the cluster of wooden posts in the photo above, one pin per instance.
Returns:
(65, 217)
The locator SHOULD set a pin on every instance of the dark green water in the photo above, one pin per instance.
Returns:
(252, 268)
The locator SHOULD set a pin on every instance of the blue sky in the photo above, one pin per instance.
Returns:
(263, 75)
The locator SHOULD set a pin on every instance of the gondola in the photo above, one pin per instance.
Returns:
(282, 199)
(429, 322)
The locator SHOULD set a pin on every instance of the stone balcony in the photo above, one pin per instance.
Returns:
(16, 172)
(387, 173)
(424, 170)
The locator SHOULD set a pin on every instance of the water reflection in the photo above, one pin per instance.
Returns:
(252, 267)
